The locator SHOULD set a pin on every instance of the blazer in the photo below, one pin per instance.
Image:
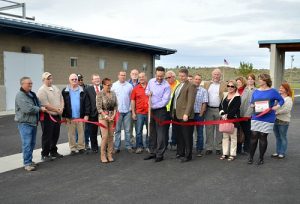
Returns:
(91, 101)
(233, 109)
(223, 88)
(185, 101)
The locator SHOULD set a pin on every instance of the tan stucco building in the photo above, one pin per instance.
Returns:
(28, 48)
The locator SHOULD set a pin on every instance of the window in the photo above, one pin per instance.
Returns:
(125, 66)
(102, 63)
(144, 67)
(73, 62)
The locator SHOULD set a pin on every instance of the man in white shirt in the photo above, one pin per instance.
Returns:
(215, 89)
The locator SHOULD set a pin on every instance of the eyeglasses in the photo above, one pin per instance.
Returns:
(230, 86)
(80, 79)
(74, 79)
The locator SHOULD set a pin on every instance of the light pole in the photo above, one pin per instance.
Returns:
(292, 60)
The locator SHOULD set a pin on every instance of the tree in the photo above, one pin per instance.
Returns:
(244, 69)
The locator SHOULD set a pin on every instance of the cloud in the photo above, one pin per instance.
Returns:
(204, 32)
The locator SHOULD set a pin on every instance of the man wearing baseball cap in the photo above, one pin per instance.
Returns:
(51, 98)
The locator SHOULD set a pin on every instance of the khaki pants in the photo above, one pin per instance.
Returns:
(229, 143)
(107, 142)
(213, 114)
(72, 126)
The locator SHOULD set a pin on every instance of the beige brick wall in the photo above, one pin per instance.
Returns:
(57, 55)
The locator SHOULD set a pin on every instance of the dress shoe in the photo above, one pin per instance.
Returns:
(184, 159)
(208, 152)
(159, 159)
(151, 156)
(260, 162)
(81, 151)
(95, 151)
(73, 153)
(56, 155)
(250, 161)
(46, 158)
(218, 152)
(116, 151)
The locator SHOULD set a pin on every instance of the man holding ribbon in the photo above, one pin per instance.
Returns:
(51, 98)
(75, 107)
(159, 92)
(182, 110)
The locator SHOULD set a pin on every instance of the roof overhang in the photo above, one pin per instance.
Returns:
(284, 45)
(33, 29)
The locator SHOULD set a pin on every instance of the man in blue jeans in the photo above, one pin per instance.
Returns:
(27, 109)
(123, 89)
(199, 109)
(139, 108)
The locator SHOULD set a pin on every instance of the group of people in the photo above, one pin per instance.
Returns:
(167, 103)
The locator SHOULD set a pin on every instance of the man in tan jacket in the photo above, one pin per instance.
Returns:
(215, 89)
(182, 108)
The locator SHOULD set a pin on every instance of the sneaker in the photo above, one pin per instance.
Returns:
(34, 164)
(199, 154)
(47, 158)
(139, 150)
(30, 168)
(281, 156)
(275, 155)
(57, 155)
(147, 150)
(130, 150)
(208, 152)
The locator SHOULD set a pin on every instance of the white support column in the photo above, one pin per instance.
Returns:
(277, 59)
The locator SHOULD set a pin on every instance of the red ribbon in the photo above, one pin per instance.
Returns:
(264, 112)
(209, 122)
(79, 120)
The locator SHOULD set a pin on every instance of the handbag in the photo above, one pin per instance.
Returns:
(226, 128)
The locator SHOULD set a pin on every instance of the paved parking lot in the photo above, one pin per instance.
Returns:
(83, 179)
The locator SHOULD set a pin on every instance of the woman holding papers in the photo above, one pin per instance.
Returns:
(262, 120)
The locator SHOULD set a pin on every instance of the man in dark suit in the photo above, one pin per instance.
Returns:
(182, 108)
(92, 129)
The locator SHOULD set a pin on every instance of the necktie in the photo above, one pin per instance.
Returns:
(97, 89)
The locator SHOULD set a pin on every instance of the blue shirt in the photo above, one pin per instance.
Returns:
(123, 92)
(201, 97)
(161, 93)
(75, 102)
(271, 95)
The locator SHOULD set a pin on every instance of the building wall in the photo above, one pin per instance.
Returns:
(57, 55)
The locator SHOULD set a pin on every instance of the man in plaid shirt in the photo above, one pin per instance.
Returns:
(199, 109)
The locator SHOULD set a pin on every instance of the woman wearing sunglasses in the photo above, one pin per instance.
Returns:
(262, 121)
(230, 109)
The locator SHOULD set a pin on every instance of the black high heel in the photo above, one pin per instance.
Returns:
(260, 162)
(250, 161)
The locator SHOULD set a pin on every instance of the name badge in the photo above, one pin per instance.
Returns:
(261, 106)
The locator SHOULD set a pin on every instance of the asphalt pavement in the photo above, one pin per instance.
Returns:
(130, 179)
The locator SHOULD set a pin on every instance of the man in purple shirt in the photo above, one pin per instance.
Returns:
(159, 91)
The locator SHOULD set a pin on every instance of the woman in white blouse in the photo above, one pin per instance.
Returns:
(283, 117)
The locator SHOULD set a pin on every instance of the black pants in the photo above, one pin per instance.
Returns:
(157, 137)
(263, 144)
(50, 134)
(92, 131)
(184, 139)
(246, 127)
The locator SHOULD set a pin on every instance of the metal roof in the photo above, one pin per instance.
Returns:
(286, 45)
(30, 28)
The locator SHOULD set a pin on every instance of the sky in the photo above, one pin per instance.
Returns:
(204, 32)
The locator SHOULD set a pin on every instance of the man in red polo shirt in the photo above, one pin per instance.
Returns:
(139, 108)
